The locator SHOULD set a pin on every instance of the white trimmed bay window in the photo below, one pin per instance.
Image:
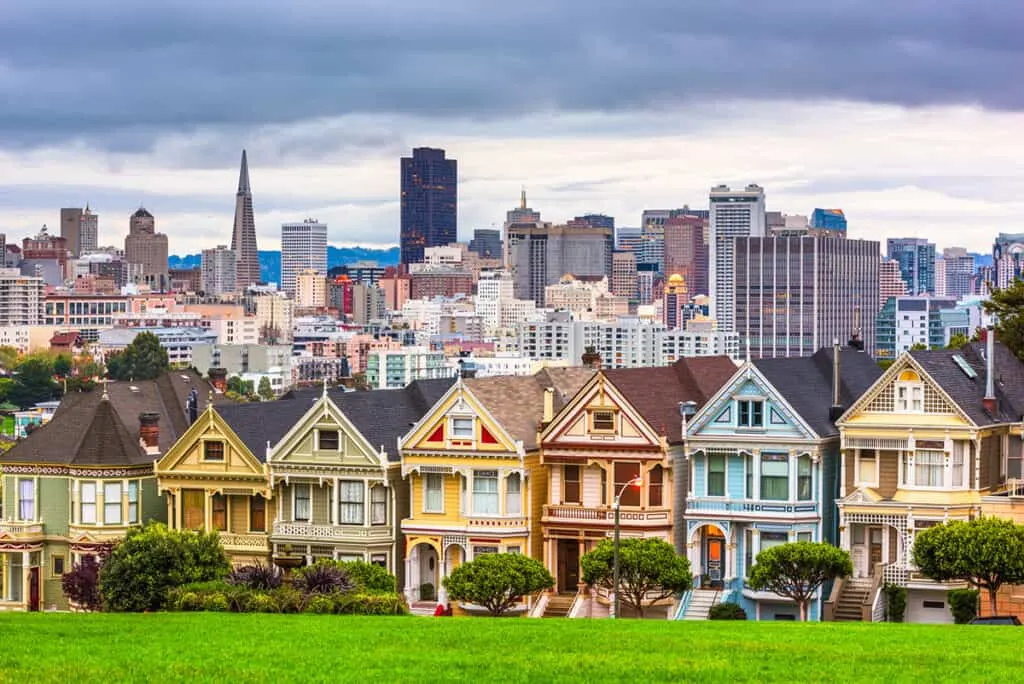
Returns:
(433, 493)
(774, 477)
(514, 494)
(107, 502)
(935, 468)
(351, 495)
(87, 507)
(485, 492)
(26, 499)
(379, 505)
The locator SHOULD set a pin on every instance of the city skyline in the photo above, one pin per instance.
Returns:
(593, 134)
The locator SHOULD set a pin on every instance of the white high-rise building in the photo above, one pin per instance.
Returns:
(733, 214)
(219, 270)
(303, 247)
(21, 298)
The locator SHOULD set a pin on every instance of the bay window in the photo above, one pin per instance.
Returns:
(803, 478)
(219, 507)
(748, 465)
(350, 502)
(867, 468)
(514, 494)
(379, 505)
(112, 503)
(485, 492)
(957, 464)
(87, 507)
(655, 486)
(925, 468)
(26, 499)
(775, 477)
(770, 539)
(625, 473)
(433, 488)
(133, 502)
(301, 502)
(257, 514)
(716, 474)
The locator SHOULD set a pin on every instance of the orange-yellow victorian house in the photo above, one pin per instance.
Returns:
(213, 481)
(936, 438)
(472, 471)
(622, 425)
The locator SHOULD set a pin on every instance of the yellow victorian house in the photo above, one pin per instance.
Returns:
(213, 481)
(927, 443)
(475, 483)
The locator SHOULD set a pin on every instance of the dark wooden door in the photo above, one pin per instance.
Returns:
(33, 589)
(568, 565)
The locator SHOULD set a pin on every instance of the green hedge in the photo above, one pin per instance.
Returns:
(727, 611)
(223, 597)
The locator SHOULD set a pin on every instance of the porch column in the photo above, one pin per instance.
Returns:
(207, 510)
(25, 577)
(367, 504)
(332, 498)
(179, 497)
(5, 584)
(756, 460)
(170, 510)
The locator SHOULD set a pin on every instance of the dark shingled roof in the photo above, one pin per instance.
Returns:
(88, 430)
(968, 392)
(806, 383)
(382, 416)
(657, 392)
(517, 402)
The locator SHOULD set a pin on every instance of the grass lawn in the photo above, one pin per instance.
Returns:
(170, 647)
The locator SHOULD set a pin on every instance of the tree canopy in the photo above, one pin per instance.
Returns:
(33, 382)
(497, 581)
(142, 359)
(152, 560)
(798, 570)
(985, 552)
(649, 570)
(1007, 304)
(265, 391)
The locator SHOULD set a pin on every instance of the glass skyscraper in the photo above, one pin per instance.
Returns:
(429, 202)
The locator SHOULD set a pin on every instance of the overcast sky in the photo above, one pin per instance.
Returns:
(907, 114)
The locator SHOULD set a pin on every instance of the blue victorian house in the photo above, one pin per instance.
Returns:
(763, 458)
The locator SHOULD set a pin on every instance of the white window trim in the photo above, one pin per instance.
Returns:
(426, 479)
(295, 502)
(910, 386)
(857, 482)
(907, 461)
(472, 429)
(707, 477)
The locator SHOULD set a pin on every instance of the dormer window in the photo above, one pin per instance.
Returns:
(462, 428)
(329, 440)
(751, 413)
(909, 393)
(602, 421)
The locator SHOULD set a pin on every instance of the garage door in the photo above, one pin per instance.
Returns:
(928, 607)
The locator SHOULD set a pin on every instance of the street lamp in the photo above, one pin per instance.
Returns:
(635, 482)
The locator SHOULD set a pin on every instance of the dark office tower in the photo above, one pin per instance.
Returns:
(486, 243)
(686, 251)
(429, 202)
(243, 239)
(916, 257)
(796, 295)
(597, 220)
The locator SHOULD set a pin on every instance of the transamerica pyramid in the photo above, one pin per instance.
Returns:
(243, 239)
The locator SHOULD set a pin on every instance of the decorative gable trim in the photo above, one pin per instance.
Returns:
(580, 409)
(208, 420)
(434, 432)
(324, 409)
(720, 405)
(872, 400)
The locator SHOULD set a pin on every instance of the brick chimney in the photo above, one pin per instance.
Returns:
(219, 379)
(592, 358)
(149, 428)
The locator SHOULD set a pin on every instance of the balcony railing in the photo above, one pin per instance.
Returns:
(245, 542)
(604, 514)
(329, 533)
(21, 529)
(745, 507)
(496, 523)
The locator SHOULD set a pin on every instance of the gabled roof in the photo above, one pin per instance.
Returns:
(517, 402)
(260, 423)
(88, 430)
(657, 392)
(806, 383)
(968, 392)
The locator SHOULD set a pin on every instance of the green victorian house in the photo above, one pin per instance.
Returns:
(80, 481)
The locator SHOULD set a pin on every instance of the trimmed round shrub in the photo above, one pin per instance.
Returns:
(368, 577)
(963, 603)
(320, 604)
(727, 611)
(290, 599)
(895, 602)
(263, 603)
(187, 601)
(215, 603)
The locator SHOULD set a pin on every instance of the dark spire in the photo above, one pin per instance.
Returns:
(243, 177)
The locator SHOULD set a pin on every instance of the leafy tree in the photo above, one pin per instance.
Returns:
(885, 363)
(8, 357)
(265, 391)
(1007, 305)
(918, 347)
(648, 569)
(152, 560)
(142, 359)
(985, 552)
(498, 581)
(957, 341)
(33, 382)
(239, 386)
(62, 366)
(6, 384)
(798, 570)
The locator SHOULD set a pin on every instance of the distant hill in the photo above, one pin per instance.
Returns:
(270, 261)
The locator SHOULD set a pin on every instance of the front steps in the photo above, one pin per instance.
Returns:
(701, 602)
(851, 600)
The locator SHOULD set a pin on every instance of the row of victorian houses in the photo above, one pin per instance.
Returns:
(731, 459)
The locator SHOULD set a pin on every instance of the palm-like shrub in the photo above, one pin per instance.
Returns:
(323, 577)
(256, 576)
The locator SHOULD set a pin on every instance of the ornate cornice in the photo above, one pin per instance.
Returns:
(76, 471)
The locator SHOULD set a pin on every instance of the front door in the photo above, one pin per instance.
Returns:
(568, 565)
(714, 555)
(33, 589)
(874, 549)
